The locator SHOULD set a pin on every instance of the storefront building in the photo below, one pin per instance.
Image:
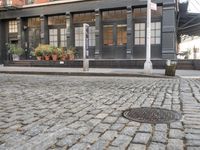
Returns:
(117, 27)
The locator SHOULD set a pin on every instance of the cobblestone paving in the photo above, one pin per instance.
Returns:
(58, 112)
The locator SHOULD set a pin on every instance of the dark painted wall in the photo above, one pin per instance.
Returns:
(2, 41)
(73, 7)
(167, 48)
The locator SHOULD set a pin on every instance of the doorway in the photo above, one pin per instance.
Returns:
(114, 41)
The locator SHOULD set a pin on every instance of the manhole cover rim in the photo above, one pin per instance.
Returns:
(177, 115)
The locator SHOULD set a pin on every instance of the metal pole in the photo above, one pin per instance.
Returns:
(85, 47)
(148, 64)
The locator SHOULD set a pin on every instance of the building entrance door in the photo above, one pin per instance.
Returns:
(114, 41)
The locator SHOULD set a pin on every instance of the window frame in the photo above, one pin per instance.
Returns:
(12, 26)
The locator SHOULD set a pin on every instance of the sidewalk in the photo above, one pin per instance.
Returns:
(97, 72)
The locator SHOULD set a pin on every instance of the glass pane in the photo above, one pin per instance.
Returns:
(140, 12)
(142, 26)
(142, 33)
(142, 41)
(34, 22)
(84, 17)
(53, 37)
(57, 20)
(121, 34)
(158, 33)
(108, 35)
(137, 33)
(114, 15)
(137, 41)
(13, 26)
(137, 26)
(158, 25)
(153, 25)
(152, 33)
(78, 36)
(152, 40)
(157, 40)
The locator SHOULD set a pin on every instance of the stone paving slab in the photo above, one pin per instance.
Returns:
(64, 112)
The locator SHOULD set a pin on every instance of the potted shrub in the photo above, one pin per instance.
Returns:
(71, 53)
(15, 50)
(46, 52)
(59, 53)
(54, 53)
(63, 55)
(39, 52)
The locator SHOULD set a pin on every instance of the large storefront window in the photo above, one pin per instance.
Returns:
(79, 36)
(155, 32)
(34, 22)
(108, 34)
(78, 20)
(57, 20)
(121, 34)
(142, 12)
(84, 17)
(57, 31)
(53, 37)
(13, 26)
(139, 33)
(139, 15)
(63, 38)
(114, 15)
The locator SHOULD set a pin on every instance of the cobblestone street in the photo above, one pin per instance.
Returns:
(61, 112)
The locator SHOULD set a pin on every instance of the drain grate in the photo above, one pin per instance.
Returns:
(152, 115)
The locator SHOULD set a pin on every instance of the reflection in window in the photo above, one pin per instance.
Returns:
(79, 36)
(53, 38)
(84, 17)
(63, 38)
(121, 35)
(34, 22)
(92, 36)
(155, 32)
(57, 20)
(139, 33)
(142, 12)
(13, 27)
(108, 35)
(114, 15)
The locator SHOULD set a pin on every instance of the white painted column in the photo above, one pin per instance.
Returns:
(85, 47)
(148, 65)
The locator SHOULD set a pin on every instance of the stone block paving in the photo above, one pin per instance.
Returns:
(62, 112)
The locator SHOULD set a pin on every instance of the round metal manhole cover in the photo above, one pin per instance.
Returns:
(152, 115)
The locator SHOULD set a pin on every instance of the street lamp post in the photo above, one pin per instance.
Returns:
(148, 65)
